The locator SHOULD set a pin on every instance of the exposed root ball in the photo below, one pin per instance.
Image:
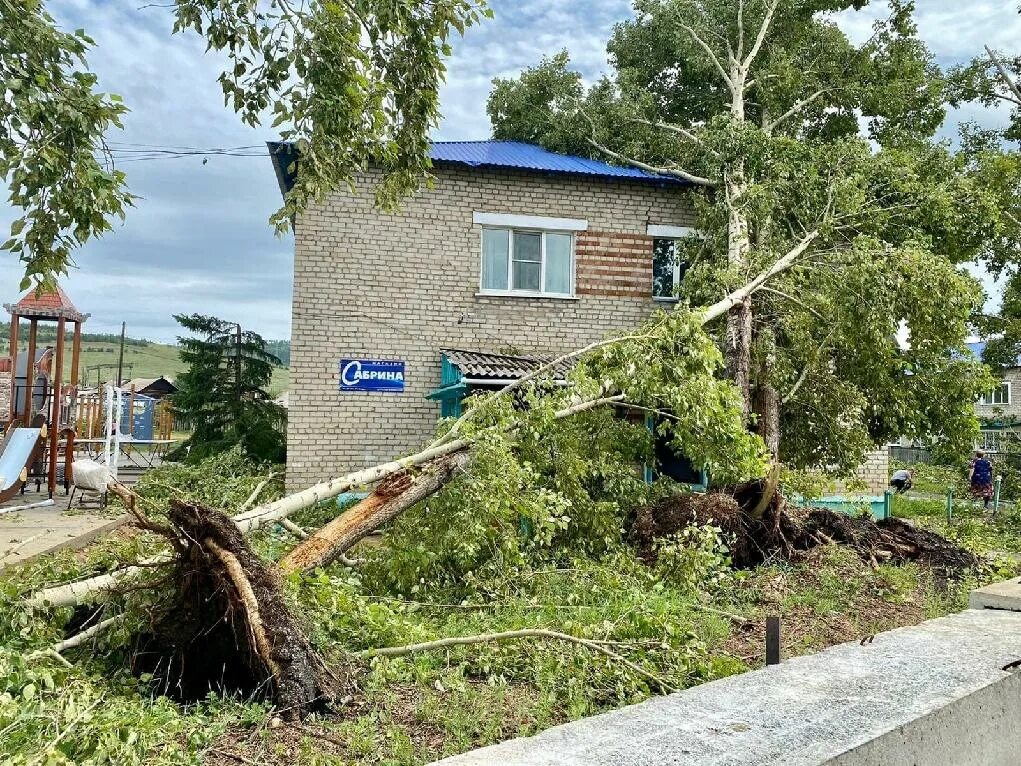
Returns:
(229, 629)
(787, 533)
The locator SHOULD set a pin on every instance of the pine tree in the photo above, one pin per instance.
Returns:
(223, 392)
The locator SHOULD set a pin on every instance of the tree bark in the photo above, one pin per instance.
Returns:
(388, 501)
(767, 411)
(738, 351)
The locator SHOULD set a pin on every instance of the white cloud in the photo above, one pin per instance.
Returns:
(198, 239)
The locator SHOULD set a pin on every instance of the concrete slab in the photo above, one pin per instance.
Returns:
(25, 534)
(934, 693)
(998, 595)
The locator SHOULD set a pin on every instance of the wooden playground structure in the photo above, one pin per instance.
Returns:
(38, 398)
(48, 421)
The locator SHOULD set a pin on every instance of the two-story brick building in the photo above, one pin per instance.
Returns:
(516, 253)
(999, 410)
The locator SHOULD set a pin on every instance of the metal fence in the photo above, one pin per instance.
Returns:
(910, 454)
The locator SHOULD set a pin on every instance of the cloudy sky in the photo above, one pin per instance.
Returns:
(198, 239)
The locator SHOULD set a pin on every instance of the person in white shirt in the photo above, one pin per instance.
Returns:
(901, 481)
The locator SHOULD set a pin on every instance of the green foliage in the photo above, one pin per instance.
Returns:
(52, 151)
(350, 83)
(695, 560)
(56, 716)
(224, 481)
(223, 394)
(566, 485)
(896, 213)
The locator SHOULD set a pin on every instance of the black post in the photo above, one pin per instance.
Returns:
(120, 360)
(237, 352)
(772, 641)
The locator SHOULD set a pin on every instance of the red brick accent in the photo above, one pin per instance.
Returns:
(614, 264)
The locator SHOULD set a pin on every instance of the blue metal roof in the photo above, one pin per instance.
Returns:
(490, 154)
(522, 156)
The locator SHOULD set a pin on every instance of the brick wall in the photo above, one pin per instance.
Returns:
(614, 265)
(1009, 412)
(875, 472)
(403, 286)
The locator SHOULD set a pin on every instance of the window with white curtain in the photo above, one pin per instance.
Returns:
(527, 262)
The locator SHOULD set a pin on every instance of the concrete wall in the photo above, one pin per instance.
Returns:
(368, 285)
(934, 694)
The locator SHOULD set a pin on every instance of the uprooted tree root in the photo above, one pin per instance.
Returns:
(786, 532)
(229, 628)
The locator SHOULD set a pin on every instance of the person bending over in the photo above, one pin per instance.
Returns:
(901, 481)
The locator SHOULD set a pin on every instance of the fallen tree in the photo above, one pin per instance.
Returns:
(77, 592)
(786, 532)
(230, 602)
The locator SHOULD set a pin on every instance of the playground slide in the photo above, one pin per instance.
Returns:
(20, 448)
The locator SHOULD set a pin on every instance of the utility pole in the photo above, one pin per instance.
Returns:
(237, 355)
(120, 359)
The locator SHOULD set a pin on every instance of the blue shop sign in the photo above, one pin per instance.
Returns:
(371, 375)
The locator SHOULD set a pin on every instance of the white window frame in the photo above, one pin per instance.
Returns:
(674, 233)
(510, 292)
(988, 399)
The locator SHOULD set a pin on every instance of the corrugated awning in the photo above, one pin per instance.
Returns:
(489, 366)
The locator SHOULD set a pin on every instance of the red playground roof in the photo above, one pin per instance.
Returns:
(47, 304)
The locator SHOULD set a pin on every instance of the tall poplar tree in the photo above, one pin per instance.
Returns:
(788, 135)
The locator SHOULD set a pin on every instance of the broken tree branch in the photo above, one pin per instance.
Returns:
(683, 132)
(444, 643)
(798, 106)
(1001, 69)
(675, 172)
(761, 37)
(388, 501)
(256, 492)
(710, 52)
(77, 639)
(724, 305)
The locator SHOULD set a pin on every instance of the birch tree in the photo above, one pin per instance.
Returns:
(780, 125)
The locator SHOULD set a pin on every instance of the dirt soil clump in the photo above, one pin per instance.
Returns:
(788, 532)
(229, 628)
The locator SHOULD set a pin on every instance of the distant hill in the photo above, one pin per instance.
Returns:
(142, 358)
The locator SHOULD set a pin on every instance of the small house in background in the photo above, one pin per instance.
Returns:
(155, 388)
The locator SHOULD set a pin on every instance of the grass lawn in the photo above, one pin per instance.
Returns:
(688, 619)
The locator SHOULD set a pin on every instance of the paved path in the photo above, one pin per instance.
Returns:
(25, 534)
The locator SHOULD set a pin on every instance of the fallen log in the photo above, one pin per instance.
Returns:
(74, 593)
(389, 500)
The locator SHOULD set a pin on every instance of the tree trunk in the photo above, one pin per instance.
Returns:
(738, 345)
(767, 411)
(738, 351)
(388, 501)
